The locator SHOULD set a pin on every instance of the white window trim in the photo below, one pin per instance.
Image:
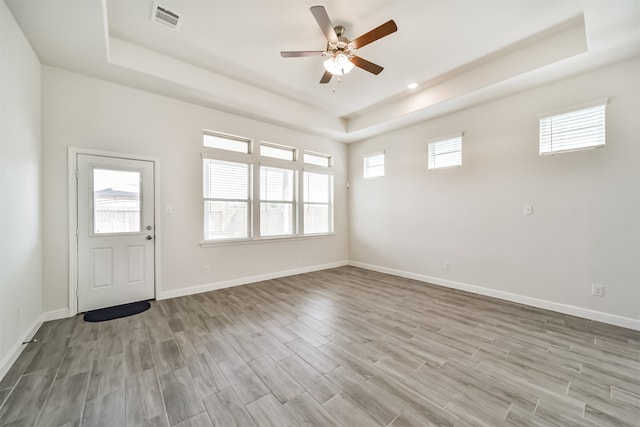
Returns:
(293, 150)
(316, 154)
(364, 164)
(254, 158)
(238, 138)
(331, 203)
(444, 138)
(250, 203)
(295, 203)
(575, 107)
(213, 243)
(601, 102)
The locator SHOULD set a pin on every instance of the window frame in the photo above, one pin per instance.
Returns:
(247, 141)
(293, 202)
(94, 211)
(366, 167)
(432, 145)
(256, 161)
(249, 200)
(545, 148)
(328, 157)
(281, 147)
(329, 203)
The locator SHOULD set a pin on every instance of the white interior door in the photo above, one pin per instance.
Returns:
(115, 231)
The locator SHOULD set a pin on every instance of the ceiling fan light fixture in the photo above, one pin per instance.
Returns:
(338, 64)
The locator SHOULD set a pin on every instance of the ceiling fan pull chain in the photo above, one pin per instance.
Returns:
(339, 79)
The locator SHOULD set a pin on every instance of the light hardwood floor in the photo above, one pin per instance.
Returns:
(341, 347)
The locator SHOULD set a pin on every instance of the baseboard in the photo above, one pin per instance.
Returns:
(599, 316)
(55, 314)
(246, 280)
(17, 348)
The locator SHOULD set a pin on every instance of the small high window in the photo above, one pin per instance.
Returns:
(373, 165)
(276, 151)
(317, 159)
(445, 152)
(573, 128)
(223, 141)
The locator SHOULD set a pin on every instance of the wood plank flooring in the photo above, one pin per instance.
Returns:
(342, 347)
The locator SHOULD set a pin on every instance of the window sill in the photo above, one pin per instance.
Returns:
(212, 243)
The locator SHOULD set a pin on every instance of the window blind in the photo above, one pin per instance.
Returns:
(445, 153)
(318, 203)
(227, 199)
(573, 130)
(277, 201)
(374, 165)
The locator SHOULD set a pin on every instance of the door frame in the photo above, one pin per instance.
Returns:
(72, 164)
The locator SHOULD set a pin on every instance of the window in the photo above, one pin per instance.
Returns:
(277, 201)
(317, 159)
(445, 152)
(227, 200)
(116, 201)
(318, 203)
(253, 193)
(579, 128)
(277, 151)
(223, 141)
(374, 165)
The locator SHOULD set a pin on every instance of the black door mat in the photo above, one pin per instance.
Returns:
(117, 311)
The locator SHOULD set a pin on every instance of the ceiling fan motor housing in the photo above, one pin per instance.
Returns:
(343, 46)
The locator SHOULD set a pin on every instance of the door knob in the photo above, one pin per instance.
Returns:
(149, 237)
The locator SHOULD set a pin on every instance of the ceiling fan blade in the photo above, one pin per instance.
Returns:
(323, 20)
(375, 34)
(326, 77)
(366, 65)
(301, 53)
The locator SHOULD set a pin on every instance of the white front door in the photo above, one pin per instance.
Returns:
(116, 231)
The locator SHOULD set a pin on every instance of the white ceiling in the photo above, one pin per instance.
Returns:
(226, 54)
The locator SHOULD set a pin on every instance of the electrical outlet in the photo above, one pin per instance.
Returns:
(205, 269)
(527, 209)
(597, 290)
(446, 265)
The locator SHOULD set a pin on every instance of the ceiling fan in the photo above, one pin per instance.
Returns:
(340, 49)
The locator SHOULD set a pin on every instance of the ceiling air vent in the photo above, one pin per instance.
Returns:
(165, 16)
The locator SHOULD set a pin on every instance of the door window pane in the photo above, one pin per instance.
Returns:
(116, 201)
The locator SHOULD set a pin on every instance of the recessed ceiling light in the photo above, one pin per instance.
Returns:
(412, 85)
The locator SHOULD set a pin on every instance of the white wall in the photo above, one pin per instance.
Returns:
(84, 112)
(20, 190)
(585, 227)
